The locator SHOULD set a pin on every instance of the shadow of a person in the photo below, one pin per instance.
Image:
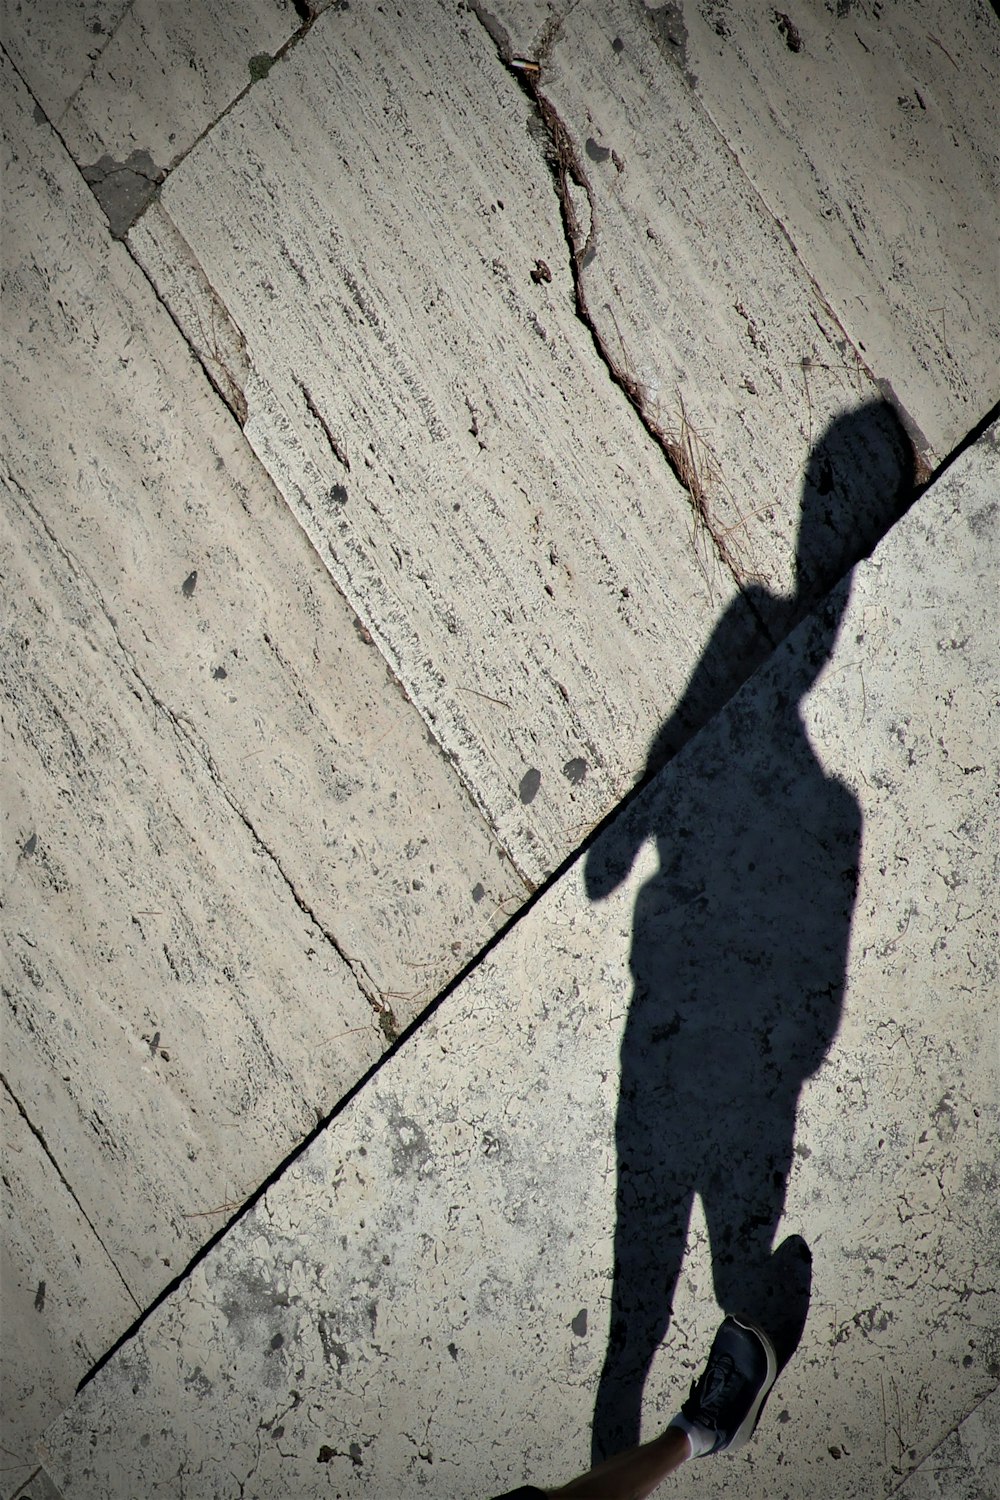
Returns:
(739, 956)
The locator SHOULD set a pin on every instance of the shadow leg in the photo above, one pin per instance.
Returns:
(743, 1209)
(650, 1237)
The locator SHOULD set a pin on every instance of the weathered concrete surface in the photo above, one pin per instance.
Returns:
(966, 1465)
(53, 1317)
(427, 1306)
(418, 387)
(872, 133)
(825, 175)
(233, 865)
(131, 86)
(235, 694)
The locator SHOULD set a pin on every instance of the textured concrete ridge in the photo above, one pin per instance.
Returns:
(422, 1301)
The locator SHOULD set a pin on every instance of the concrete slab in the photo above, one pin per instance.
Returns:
(66, 1318)
(410, 363)
(234, 866)
(131, 87)
(823, 175)
(966, 1465)
(871, 134)
(806, 898)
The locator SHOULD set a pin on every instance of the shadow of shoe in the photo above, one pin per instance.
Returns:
(783, 1316)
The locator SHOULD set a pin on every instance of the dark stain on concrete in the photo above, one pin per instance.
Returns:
(198, 1382)
(789, 30)
(123, 189)
(260, 65)
(671, 34)
(982, 523)
(530, 782)
(410, 1148)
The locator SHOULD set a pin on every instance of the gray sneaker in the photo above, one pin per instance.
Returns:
(730, 1393)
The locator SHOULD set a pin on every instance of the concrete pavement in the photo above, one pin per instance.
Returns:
(422, 1300)
(403, 451)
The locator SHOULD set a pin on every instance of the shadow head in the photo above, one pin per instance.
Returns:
(860, 479)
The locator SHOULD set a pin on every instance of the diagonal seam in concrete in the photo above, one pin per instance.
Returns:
(108, 39)
(403, 1038)
(37, 1132)
(185, 730)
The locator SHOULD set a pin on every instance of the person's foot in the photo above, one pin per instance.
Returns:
(727, 1399)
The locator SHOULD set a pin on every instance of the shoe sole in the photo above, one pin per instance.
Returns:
(746, 1428)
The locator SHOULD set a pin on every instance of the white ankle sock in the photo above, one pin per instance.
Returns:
(702, 1439)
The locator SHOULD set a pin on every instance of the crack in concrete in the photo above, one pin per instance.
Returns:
(108, 39)
(680, 453)
(187, 731)
(221, 349)
(257, 77)
(43, 1143)
(335, 447)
